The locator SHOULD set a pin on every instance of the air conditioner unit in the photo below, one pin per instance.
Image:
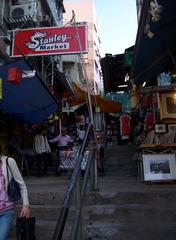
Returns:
(24, 11)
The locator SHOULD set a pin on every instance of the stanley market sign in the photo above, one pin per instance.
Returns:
(50, 41)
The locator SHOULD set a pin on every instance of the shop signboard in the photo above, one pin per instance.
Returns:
(50, 41)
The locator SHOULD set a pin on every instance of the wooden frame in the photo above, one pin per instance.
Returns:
(168, 105)
(160, 128)
(159, 167)
(171, 127)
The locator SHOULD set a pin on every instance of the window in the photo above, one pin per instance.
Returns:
(95, 28)
(96, 66)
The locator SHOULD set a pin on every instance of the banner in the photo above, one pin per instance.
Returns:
(50, 41)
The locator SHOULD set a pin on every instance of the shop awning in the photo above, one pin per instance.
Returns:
(104, 104)
(155, 55)
(30, 100)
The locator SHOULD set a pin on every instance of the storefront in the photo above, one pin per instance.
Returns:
(153, 71)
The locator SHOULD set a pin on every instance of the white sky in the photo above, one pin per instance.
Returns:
(118, 20)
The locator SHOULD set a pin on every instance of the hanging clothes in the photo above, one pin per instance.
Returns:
(125, 128)
(149, 121)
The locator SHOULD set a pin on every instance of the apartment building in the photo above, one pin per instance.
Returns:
(71, 64)
(23, 14)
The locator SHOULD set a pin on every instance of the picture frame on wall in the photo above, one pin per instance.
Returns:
(159, 167)
(168, 105)
(160, 128)
(171, 127)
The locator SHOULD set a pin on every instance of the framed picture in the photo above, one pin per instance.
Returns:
(160, 128)
(168, 105)
(159, 167)
(171, 127)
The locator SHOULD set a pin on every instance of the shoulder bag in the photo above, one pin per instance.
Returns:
(13, 188)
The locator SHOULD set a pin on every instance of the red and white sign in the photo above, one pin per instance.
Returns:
(50, 41)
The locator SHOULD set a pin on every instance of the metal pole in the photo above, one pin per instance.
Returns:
(88, 97)
(52, 73)
(93, 172)
(84, 70)
(78, 207)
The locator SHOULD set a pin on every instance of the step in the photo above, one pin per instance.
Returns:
(133, 213)
(133, 197)
(44, 229)
(110, 230)
(51, 212)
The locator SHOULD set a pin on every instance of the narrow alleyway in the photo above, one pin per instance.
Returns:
(124, 208)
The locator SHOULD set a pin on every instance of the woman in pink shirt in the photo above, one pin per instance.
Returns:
(63, 143)
(7, 207)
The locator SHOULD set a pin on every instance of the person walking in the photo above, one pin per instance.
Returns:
(41, 148)
(7, 207)
(81, 134)
(64, 142)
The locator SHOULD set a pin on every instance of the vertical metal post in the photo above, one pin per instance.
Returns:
(42, 65)
(88, 95)
(93, 171)
(78, 207)
(84, 70)
(52, 71)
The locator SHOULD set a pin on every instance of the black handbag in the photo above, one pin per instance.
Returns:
(25, 228)
(13, 188)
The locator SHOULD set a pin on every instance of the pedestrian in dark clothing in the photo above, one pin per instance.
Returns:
(41, 148)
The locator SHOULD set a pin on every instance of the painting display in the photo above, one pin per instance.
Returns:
(159, 167)
(168, 105)
(160, 128)
(171, 127)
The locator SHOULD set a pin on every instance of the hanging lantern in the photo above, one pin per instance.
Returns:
(0, 88)
(14, 75)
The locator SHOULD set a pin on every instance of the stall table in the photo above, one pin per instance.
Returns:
(68, 159)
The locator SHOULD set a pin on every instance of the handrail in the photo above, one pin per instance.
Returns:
(82, 193)
(59, 229)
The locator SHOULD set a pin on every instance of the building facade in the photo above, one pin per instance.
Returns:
(92, 58)
(23, 14)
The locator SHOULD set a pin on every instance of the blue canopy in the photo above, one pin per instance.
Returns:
(155, 55)
(30, 100)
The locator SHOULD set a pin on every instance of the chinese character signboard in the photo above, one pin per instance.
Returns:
(50, 41)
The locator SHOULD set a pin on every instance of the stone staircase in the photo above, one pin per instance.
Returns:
(127, 209)
(124, 208)
(46, 198)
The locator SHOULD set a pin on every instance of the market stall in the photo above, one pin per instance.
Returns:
(68, 159)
